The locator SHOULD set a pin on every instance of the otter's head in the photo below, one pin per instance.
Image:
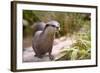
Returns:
(53, 24)
(52, 28)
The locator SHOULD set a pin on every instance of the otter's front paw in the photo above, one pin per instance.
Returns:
(51, 57)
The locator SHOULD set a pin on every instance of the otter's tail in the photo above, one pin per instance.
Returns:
(38, 26)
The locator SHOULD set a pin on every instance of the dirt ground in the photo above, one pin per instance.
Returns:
(28, 53)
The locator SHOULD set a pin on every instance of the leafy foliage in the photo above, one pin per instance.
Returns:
(79, 50)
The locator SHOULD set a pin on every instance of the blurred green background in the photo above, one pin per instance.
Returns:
(71, 24)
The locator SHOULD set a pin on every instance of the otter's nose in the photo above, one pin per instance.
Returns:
(58, 28)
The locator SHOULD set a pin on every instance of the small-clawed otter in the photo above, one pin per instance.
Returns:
(42, 41)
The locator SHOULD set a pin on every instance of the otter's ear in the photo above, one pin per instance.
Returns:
(47, 25)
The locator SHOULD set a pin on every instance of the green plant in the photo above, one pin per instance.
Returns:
(79, 50)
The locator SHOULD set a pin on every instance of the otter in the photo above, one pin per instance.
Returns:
(42, 41)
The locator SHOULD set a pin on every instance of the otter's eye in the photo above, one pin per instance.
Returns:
(53, 25)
